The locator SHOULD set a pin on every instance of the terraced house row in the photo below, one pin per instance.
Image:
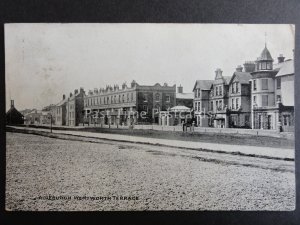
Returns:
(259, 95)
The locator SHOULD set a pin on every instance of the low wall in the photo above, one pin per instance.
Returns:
(256, 132)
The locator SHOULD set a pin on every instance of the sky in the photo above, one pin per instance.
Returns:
(45, 61)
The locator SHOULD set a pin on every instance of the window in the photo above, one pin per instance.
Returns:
(263, 66)
(237, 87)
(254, 99)
(278, 83)
(264, 100)
(232, 90)
(220, 104)
(199, 106)
(286, 120)
(145, 98)
(237, 103)
(269, 66)
(232, 103)
(167, 98)
(211, 106)
(145, 108)
(264, 84)
(115, 99)
(196, 93)
(127, 97)
(220, 91)
(131, 96)
(278, 98)
(217, 105)
(157, 96)
(254, 85)
(123, 98)
(217, 91)
(107, 100)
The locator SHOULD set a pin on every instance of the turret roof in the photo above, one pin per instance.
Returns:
(265, 55)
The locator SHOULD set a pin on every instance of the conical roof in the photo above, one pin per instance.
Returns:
(265, 55)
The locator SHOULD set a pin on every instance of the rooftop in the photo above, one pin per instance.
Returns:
(185, 95)
(287, 68)
(203, 84)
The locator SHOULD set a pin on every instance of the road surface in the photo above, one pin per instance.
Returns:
(63, 175)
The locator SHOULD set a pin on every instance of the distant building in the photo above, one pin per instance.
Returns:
(48, 113)
(129, 104)
(61, 112)
(13, 116)
(74, 108)
(184, 99)
(33, 117)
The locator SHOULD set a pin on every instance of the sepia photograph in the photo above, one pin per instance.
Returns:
(150, 117)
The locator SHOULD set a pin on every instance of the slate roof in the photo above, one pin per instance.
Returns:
(62, 102)
(203, 84)
(265, 55)
(180, 108)
(185, 95)
(287, 68)
(227, 79)
(242, 77)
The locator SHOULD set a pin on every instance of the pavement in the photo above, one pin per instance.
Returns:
(264, 152)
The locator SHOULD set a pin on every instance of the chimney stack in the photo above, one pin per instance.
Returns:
(249, 66)
(180, 89)
(239, 68)
(218, 72)
(64, 97)
(12, 104)
(280, 58)
(70, 94)
(76, 91)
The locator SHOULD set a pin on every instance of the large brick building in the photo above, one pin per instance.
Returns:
(128, 104)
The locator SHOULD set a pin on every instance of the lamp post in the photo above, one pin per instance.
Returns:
(50, 122)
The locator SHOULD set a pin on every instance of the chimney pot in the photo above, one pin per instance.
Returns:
(249, 66)
(64, 97)
(280, 58)
(239, 68)
(180, 89)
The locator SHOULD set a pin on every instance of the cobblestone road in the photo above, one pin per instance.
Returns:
(103, 176)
